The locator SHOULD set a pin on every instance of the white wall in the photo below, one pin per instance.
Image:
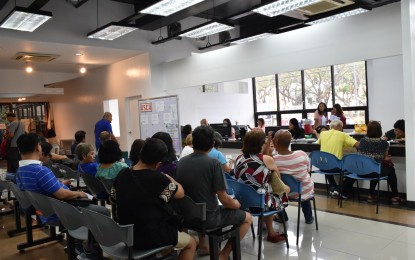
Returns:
(385, 86)
(195, 105)
(366, 36)
(82, 105)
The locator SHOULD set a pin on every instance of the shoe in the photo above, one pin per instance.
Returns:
(310, 221)
(371, 198)
(277, 238)
(278, 220)
(334, 194)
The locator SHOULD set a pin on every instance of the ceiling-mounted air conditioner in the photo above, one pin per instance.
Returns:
(34, 57)
(324, 6)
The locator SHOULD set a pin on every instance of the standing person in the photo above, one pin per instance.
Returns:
(261, 125)
(142, 188)
(203, 180)
(228, 122)
(14, 130)
(79, 138)
(204, 122)
(320, 115)
(103, 125)
(296, 164)
(333, 141)
(294, 128)
(337, 113)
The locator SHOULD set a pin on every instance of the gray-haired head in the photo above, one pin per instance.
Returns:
(336, 124)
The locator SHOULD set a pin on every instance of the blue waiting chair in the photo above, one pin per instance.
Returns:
(248, 197)
(360, 165)
(325, 162)
(296, 187)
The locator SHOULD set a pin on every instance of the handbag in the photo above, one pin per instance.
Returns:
(173, 218)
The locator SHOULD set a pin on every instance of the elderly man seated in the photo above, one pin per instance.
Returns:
(333, 141)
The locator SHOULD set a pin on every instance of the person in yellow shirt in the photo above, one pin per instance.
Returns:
(333, 141)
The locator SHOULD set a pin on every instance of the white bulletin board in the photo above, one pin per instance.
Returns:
(160, 115)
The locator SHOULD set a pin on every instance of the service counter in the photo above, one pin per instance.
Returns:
(397, 151)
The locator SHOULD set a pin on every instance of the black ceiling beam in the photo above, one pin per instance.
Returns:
(37, 4)
(80, 2)
(3, 3)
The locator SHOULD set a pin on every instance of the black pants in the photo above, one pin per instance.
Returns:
(384, 171)
(13, 158)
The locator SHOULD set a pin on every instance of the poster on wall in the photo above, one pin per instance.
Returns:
(160, 114)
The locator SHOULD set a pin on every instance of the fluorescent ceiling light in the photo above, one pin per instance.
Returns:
(282, 6)
(252, 38)
(23, 19)
(168, 7)
(111, 31)
(207, 29)
(339, 16)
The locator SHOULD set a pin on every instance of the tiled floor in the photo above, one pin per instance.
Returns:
(340, 236)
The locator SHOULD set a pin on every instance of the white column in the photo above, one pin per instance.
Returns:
(408, 54)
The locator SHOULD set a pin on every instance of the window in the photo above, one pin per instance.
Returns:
(290, 91)
(112, 107)
(265, 92)
(297, 94)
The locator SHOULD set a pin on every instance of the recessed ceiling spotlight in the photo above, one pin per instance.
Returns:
(29, 69)
(82, 70)
(78, 54)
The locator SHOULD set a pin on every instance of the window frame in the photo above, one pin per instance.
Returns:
(304, 111)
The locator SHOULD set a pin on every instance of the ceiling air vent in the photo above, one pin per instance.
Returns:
(34, 57)
(324, 6)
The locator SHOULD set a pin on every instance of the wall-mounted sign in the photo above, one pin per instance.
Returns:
(145, 107)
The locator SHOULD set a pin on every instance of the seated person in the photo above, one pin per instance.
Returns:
(32, 176)
(79, 138)
(86, 155)
(254, 168)
(397, 133)
(168, 165)
(135, 151)
(333, 141)
(296, 131)
(109, 156)
(207, 184)
(373, 146)
(215, 153)
(227, 121)
(296, 164)
(187, 129)
(188, 149)
(143, 188)
(46, 156)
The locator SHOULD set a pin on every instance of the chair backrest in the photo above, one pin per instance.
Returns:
(68, 172)
(3, 185)
(194, 214)
(107, 184)
(70, 216)
(106, 231)
(360, 164)
(94, 185)
(20, 195)
(41, 203)
(324, 161)
(247, 195)
(295, 186)
(55, 169)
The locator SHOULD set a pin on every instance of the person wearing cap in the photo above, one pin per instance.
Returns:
(215, 153)
(14, 130)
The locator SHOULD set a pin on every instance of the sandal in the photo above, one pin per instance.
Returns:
(371, 198)
(397, 200)
(277, 238)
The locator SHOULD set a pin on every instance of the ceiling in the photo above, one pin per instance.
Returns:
(65, 34)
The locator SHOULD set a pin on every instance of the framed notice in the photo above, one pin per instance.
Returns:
(160, 114)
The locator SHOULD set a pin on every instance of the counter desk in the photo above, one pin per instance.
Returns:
(397, 151)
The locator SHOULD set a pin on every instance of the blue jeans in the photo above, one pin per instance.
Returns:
(306, 208)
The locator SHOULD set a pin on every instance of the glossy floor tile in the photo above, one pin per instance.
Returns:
(353, 232)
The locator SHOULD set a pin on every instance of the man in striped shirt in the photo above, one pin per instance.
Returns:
(296, 164)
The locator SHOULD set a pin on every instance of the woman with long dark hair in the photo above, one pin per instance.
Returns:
(168, 164)
(294, 128)
(337, 112)
(320, 115)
